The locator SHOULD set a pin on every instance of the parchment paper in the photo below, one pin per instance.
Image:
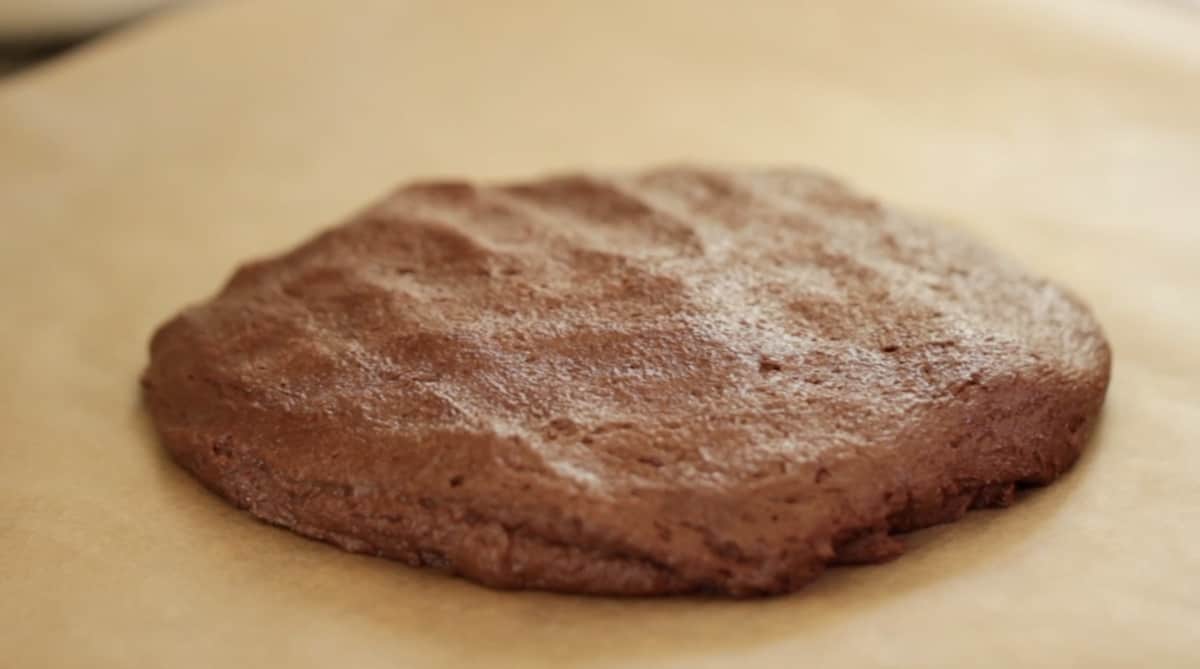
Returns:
(136, 173)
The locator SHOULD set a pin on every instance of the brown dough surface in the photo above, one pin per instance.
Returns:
(680, 380)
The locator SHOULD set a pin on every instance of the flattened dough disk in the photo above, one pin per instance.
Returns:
(685, 379)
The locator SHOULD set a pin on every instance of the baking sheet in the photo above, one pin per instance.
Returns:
(134, 174)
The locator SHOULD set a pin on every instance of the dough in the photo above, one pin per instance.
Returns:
(681, 380)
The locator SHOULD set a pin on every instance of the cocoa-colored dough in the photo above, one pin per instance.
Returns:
(679, 380)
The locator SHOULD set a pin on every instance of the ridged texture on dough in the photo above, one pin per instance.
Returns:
(679, 380)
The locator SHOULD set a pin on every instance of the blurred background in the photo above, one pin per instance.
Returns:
(33, 31)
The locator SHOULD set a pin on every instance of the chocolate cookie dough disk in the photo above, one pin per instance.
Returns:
(673, 381)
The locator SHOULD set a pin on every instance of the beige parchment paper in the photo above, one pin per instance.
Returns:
(136, 172)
